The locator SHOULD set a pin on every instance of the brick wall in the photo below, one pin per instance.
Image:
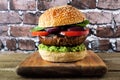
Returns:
(17, 17)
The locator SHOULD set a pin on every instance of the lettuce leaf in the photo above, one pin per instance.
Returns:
(37, 28)
(84, 23)
(77, 48)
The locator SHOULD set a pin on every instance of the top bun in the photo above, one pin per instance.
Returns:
(61, 15)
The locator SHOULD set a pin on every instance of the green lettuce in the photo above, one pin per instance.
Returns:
(37, 28)
(62, 48)
(84, 23)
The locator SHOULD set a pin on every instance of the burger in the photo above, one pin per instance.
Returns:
(62, 31)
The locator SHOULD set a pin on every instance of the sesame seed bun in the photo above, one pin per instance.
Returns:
(61, 15)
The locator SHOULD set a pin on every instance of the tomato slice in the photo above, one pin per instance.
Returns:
(75, 33)
(40, 33)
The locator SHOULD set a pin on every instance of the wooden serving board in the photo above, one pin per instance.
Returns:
(34, 66)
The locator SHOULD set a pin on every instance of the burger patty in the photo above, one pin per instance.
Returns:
(62, 40)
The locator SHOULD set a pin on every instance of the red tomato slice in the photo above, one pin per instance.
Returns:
(75, 33)
(40, 33)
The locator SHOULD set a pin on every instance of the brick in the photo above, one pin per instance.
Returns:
(117, 32)
(84, 4)
(4, 30)
(30, 18)
(10, 17)
(118, 45)
(1, 44)
(117, 18)
(102, 45)
(3, 4)
(20, 31)
(104, 32)
(46, 4)
(99, 17)
(26, 45)
(109, 4)
(11, 44)
(23, 4)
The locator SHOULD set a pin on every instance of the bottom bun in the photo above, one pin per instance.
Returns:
(62, 56)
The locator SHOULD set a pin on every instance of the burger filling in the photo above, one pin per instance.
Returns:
(77, 48)
(67, 30)
(68, 38)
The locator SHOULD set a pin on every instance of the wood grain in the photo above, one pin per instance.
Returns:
(112, 60)
(10, 60)
(34, 66)
(11, 75)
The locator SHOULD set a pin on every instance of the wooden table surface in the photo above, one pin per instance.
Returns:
(9, 61)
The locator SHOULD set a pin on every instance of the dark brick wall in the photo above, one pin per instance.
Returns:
(17, 17)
